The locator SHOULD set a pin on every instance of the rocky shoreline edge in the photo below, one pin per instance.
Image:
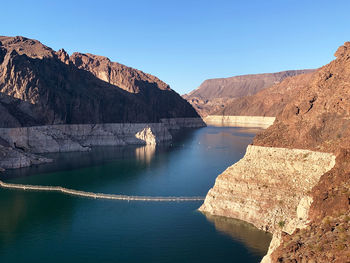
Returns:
(270, 188)
(23, 146)
(239, 121)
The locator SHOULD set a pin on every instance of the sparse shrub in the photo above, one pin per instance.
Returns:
(281, 223)
(326, 220)
(341, 229)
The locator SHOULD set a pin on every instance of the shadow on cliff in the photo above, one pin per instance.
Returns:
(63, 93)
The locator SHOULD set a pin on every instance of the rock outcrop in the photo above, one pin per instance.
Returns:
(214, 94)
(79, 137)
(11, 158)
(267, 102)
(268, 187)
(317, 118)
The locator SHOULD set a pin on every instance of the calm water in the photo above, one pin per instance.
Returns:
(52, 227)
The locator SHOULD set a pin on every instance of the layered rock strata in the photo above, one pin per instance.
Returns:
(315, 117)
(239, 121)
(269, 187)
(11, 158)
(18, 144)
(79, 137)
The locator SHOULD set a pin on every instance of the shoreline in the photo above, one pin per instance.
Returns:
(19, 146)
(269, 188)
(239, 121)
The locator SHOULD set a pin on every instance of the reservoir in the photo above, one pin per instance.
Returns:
(55, 227)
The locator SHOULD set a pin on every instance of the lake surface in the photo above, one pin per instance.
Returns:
(53, 227)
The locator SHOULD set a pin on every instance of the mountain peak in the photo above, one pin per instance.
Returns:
(343, 50)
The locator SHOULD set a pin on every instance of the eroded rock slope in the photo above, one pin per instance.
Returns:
(296, 190)
(213, 95)
(78, 89)
(53, 102)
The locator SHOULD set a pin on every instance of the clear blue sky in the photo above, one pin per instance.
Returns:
(186, 42)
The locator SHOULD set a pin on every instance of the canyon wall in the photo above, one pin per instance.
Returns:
(270, 188)
(301, 196)
(19, 145)
(239, 121)
(213, 95)
(40, 86)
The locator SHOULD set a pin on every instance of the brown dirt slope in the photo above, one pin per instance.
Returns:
(41, 86)
(318, 118)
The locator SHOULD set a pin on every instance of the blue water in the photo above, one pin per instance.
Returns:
(52, 227)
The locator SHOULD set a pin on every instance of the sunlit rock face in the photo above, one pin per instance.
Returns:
(234, 96)
(40, 86)
(315, 116)
(269, 187)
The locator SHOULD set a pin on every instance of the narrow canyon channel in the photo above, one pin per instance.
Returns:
(55, 227)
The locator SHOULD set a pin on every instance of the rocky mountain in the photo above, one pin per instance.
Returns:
(41, 86)
(213, 94)
(267, 102)
(318, 118)
(294, 181)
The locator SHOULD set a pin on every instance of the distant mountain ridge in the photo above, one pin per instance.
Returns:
(213, 94)
(40, 86)
(267, 102)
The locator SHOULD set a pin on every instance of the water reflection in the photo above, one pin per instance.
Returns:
(23, 212)
(246, 233)
(63, 228)
(145, 153)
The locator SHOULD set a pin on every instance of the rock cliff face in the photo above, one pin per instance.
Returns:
(214, 94)
(78, 89)
(79, 137)
(308, 208)
(268, 188)
(11, 158)
(53, 102)
(267, 102)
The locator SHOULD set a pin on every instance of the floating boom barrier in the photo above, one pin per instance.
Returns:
(99, 195)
